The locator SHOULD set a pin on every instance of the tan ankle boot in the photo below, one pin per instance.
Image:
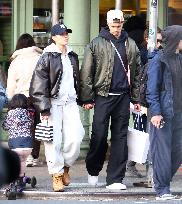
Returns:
(58, 185)
(66, 176)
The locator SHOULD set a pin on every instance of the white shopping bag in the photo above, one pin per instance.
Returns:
(138, 145)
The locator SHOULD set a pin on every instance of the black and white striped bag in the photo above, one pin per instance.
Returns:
(44, 132)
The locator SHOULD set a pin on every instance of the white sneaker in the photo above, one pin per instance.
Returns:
(29, 161)
(35, 162)
(166, 197)
(92, 180)
(116, 186)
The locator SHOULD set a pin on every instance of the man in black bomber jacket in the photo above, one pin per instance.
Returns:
(106, 85)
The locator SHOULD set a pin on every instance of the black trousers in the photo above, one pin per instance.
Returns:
(36, 143)
(116, 108)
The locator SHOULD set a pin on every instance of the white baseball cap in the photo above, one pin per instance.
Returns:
(114, 14)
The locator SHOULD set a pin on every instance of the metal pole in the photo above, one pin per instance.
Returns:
(153, 18)
(55, 12)
(118, 4)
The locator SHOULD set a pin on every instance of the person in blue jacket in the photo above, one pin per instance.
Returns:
(164, 97)
(3, 97)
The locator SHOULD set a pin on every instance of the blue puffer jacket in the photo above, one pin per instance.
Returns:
(159, 87)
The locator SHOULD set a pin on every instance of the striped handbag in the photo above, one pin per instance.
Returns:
(44, 132)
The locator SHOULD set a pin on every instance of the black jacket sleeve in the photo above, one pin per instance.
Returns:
(40, 86)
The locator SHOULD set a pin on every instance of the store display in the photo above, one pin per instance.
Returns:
(41, 27)
(5, 8)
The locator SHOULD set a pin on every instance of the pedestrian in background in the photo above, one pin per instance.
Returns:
(164, 97)
(18, 123)
(3, 97)
(135, 27)
(23, 62)
(106, 86)
(3, 75)
(54, 90)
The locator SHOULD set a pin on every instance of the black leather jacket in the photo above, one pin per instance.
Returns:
(46, 79)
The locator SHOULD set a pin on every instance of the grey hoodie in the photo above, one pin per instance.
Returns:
(67, 91)
(171, 37)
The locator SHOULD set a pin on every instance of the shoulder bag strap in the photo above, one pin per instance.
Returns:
(119, 56)
(127, 71)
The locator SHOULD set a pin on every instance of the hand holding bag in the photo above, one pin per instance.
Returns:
(44, 132)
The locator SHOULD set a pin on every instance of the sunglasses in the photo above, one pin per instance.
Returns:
(159, 41)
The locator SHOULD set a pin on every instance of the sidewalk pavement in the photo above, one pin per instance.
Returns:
(80, 187)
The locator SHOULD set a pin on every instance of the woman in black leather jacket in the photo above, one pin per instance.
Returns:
(54, 90)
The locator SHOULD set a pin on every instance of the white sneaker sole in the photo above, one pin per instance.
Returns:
(115, 186)
(167, 198)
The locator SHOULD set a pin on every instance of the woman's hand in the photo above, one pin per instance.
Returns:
(88, 106)
(44, 117)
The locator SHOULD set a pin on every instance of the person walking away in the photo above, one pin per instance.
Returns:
(18, 123)
(23, 62)
(105, 86)
(141, 121)
(164, 98)
(54, 90)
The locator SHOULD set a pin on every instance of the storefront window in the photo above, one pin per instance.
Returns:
(5, 49)
(174, 12)
(42, 14)
(5, 26)
(130, 8)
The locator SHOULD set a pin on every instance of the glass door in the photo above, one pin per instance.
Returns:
(129, 8)
(42, 13)
(174, 12)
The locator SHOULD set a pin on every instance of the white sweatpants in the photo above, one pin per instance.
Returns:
(68, 133)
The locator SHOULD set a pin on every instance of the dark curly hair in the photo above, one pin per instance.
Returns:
(18, 101)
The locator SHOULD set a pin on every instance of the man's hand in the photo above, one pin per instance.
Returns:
(156, 120)
(137, 107)
(88, 106)
(45, 117)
